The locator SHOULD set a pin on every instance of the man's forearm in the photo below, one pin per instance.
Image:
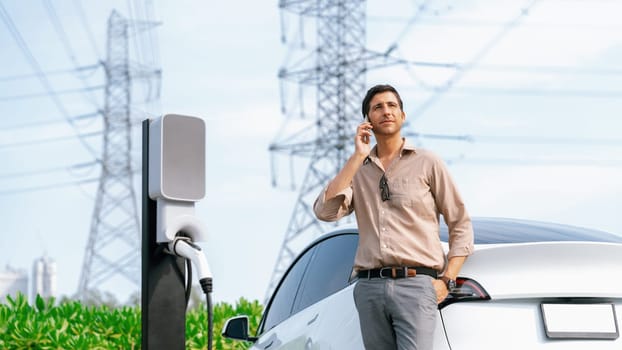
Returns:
(454, 265)
(345, 176)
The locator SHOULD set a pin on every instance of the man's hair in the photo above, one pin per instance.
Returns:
(376, 90)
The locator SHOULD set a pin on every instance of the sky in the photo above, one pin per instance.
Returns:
(529, 98)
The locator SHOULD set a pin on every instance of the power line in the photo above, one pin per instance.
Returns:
(47, 187)
(87, 28)
(520, 140)
(534, 140)
(537, 161)
(133, 8)
(467, 22)
(64, 39)
(46, 94)
(549, 69)
(75, 70)
(421, 9)
(48, 140)
(145, 56)
(534, 69)
(19, 174)
(488, 91)
(41, 76)
(60, 31)
(72, 169)
(43, 123)
(479, 55)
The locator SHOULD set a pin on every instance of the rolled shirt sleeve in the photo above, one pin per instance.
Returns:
(451, 206)
(334, 208)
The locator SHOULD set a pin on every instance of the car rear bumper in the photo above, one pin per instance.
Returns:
(515, 324)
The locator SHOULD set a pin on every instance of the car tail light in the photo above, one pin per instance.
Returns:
(466, 290)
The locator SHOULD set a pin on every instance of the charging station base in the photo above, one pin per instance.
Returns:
(163, 301)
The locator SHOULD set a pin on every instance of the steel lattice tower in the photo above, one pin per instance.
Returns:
(336, 71)
(114, 243)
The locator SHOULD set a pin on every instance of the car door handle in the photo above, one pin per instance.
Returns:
(313, 319)
(273, 340)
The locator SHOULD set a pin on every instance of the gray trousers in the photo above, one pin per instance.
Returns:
(397, 313)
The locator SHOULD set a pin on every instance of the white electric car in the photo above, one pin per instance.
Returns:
(528, 285)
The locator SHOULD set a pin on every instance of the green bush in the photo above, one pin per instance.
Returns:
(71, 325)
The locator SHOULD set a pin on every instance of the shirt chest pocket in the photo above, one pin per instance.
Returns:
(412, 193)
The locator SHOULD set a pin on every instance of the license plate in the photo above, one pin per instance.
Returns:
(580, 321)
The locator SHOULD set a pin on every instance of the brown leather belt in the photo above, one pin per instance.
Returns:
(398, 272)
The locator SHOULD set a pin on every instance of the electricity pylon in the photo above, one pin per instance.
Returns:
(113, 246)
(336, 73)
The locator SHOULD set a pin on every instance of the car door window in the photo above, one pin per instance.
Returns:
(329, 270)
(281, 306)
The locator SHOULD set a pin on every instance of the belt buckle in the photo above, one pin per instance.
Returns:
(392, 269)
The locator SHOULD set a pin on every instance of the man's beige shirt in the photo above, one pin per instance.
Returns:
(404, 230)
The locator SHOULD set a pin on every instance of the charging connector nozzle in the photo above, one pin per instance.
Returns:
(185, 248)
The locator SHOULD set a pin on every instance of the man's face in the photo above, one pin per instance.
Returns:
(385, 113)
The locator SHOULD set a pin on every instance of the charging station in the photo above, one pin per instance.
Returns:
(173, 180)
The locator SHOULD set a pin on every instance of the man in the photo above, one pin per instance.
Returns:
(397, 193)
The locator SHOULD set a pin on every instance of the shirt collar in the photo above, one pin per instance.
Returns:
(407, 146)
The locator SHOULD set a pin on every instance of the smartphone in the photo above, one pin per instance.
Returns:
(366, 139)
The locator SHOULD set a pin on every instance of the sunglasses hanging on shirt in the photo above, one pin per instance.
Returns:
(384, 189)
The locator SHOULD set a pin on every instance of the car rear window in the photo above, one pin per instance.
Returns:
(495, 231)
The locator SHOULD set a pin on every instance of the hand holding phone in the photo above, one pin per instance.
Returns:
(366, 138)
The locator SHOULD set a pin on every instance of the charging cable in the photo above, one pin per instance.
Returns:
(184, 247)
